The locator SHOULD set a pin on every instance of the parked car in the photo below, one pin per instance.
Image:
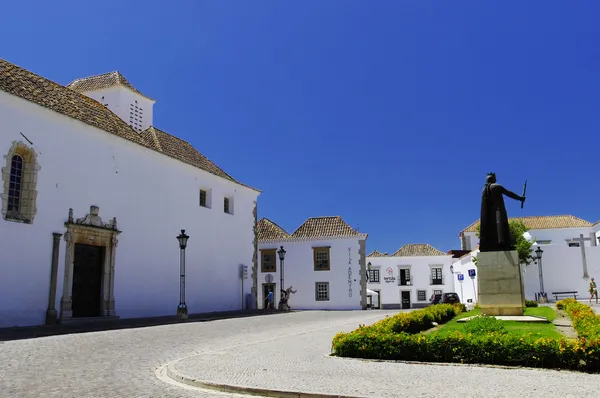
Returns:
(450, 298)
(446, 298)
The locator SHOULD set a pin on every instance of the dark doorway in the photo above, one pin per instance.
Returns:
(268, 287)
(87, 281)
(376, 300)
(405, 300)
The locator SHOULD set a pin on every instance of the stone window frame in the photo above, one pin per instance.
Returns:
(264, 267)
(325, 285)
(419, 295)
(319, 261)
(28, 192)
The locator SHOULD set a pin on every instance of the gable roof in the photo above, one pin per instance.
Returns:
(181, 150)
(105, 80)
(542, 222)
(418, 250)
(375, 253)
(268, 230)
(326, 227)
(26, 85)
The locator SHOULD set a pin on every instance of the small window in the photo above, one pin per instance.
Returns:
(322, 291)
(374, 276)
(436, 276)
(321, 258)
(421, 295)
(15, 185)
(437, 292)
(202, 198)
(268, 261)
(226, 208)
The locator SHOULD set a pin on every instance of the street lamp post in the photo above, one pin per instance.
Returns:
(538, 257)
(182, 311)
(281, 253)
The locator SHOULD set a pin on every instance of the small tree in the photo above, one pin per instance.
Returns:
(524, 248)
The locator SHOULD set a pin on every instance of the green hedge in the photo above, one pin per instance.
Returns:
(397, 338)
(416, 321)
(531, 303)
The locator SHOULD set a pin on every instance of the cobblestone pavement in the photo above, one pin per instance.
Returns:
(285, 351)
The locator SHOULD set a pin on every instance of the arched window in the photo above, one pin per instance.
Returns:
(19, 177)
(16, 184)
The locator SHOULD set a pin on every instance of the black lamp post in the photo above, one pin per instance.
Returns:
(281, 253)
(538, 257)
(452, 268)
(182, 311)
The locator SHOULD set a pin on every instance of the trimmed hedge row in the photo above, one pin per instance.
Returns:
(382, 341)
(416, 321)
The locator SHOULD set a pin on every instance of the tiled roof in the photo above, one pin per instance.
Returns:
(375, 253)
(105, 80)
(31, 87)
(542, 222)
(325, 227)
(268, 230)
(181, 150)
(418, 249)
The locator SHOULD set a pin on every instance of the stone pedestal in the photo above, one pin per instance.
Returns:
(500, 288)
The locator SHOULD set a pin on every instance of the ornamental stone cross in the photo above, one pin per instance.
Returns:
(581, 240)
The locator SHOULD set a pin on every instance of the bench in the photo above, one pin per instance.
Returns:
(566, 294)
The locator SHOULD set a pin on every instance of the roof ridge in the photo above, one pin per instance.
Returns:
(274, 223)
(92, 76)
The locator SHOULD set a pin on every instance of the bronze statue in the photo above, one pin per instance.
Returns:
(494, 233)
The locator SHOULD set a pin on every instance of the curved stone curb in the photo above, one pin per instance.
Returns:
(230, 388)
(457, 364)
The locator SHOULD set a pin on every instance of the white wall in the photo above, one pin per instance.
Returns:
(467, 289)
(420, 270)
(562, 271)
(299, 272)
(153, 198)
(118, 99)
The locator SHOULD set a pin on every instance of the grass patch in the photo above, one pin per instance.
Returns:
(521, 329)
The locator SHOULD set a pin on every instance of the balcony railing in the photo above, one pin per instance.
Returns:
(436, 281)
(405, 281)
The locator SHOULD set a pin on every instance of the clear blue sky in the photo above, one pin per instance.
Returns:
(388, 113)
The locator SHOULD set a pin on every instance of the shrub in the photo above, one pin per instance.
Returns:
(416, 321)
(484, 324)
(485, 343)
(531, 303)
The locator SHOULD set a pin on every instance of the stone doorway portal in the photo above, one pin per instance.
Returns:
(87, 281)
(89, 274)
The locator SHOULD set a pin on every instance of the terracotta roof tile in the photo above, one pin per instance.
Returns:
(105, 80)
(375, 253)
(325, 227)
(181, 150)
(268, 230)
(24, 84)
(542, 222)
(418, 250)
(31, 87)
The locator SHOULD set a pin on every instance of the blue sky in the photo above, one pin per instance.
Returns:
(388, 113)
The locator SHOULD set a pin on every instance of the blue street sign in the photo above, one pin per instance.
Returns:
(461, 277)
(472, 273)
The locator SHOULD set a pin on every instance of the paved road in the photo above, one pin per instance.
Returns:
(285, 351)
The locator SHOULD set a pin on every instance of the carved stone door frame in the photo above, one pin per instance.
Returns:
(90, 230)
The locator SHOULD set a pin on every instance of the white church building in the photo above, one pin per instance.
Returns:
(324, 264)
(93, 197)
(570, 256)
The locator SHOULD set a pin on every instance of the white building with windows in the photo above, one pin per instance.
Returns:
(570, 256)
(324, 265)
(409, 277)
(93, 197)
